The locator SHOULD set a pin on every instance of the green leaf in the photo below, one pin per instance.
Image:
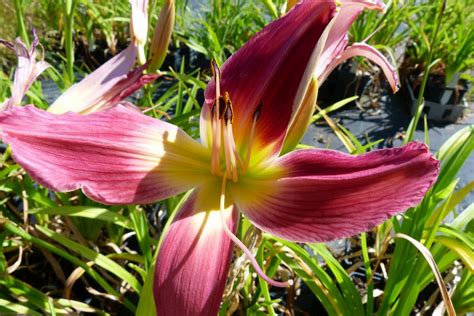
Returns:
(10, 308)
(349, 291)
(100, 260)
(464, 252)
(308, 269)
(87, 212)
(332, 108)
(463, 296)
(449, 205)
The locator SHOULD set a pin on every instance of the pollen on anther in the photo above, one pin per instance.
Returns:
(229, 113)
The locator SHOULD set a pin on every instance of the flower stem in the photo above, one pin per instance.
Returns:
(421, 100)
(69, 6)
(20, 21)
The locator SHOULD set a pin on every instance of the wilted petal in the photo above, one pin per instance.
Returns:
(27, 71)
(100, 89)
(361, 49)
(268, 70)
(320, 195)
(117, 156)
(194, 259)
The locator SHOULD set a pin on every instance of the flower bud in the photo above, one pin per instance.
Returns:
(162, 36)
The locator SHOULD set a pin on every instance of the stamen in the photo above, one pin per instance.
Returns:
(229, 110)
(216, 114)
(227, 152)
(216, 73)
(230, 141)
(241, 244)
(222, 107)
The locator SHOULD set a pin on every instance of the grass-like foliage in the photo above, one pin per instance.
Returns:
(62, 253)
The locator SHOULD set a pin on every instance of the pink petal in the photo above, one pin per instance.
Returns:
(100, 89)
(361, 49)
(337, 39)
(320, 195)
(194, 259)
(117, 156)
(27, 71)
(268, 70)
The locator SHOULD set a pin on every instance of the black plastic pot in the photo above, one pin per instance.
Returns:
(342, 83)
(437, 91)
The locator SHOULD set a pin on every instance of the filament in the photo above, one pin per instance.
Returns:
(241, 244)
(231, 148)
(216, 143)
(227, 152)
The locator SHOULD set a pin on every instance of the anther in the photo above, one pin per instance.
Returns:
(215, 68)
(229, 112)
(222, 106)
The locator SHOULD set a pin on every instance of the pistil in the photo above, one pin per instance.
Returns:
(241, 245)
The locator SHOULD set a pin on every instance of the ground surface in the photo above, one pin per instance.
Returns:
(387, 123)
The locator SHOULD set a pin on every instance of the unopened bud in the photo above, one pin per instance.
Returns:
(162, 36)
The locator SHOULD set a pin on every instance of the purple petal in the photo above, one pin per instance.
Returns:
(100, 89)
(117, 156)
(268, 70)
(361, 49)
(27, 71)
(320, 195)
(194, 259)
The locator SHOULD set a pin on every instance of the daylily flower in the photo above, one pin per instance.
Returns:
(112, 82)
(27, 71)
(105, 87)
(120, 156)
(116, 79)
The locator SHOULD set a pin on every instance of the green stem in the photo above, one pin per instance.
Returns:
(20, 21)
(69, 6)
(420, 105)
(368, 275)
